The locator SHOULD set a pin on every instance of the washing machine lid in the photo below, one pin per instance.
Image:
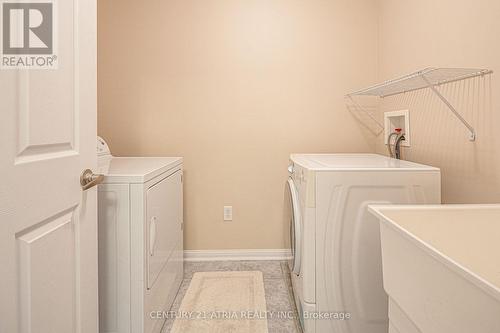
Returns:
(356, 162)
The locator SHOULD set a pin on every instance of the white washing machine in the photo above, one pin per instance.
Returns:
(336, 268)
(140, 223)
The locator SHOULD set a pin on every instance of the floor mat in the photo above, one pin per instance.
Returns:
(223, 302)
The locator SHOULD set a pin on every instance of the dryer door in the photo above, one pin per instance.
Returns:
(164, 223)
(293, 223)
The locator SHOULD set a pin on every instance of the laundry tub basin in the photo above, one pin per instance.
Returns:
(441, 267)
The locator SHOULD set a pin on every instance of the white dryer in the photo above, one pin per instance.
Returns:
(140, 225)
(336, 268)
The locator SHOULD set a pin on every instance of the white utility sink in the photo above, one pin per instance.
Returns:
(441, 267)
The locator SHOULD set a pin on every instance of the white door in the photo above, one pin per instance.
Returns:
(48, 227)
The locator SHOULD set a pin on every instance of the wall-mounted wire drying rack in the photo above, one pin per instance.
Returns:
(426, 78)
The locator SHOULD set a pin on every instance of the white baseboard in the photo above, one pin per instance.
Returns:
(233, 255)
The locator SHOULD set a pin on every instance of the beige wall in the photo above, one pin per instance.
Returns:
(448, 33)
(234, 86)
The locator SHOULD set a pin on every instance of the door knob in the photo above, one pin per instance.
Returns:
(89, 179)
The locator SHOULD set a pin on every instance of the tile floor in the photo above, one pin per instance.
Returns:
(277, 287)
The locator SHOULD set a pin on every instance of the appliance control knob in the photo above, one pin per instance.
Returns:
(290, 169)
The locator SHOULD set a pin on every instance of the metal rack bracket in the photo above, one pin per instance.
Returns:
(363, 109)
(472, 135)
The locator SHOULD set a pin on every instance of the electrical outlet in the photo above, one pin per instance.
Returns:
(228, 213)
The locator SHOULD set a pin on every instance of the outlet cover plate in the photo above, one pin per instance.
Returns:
(228, 213)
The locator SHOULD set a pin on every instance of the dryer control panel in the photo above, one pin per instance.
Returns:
(102, 147)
